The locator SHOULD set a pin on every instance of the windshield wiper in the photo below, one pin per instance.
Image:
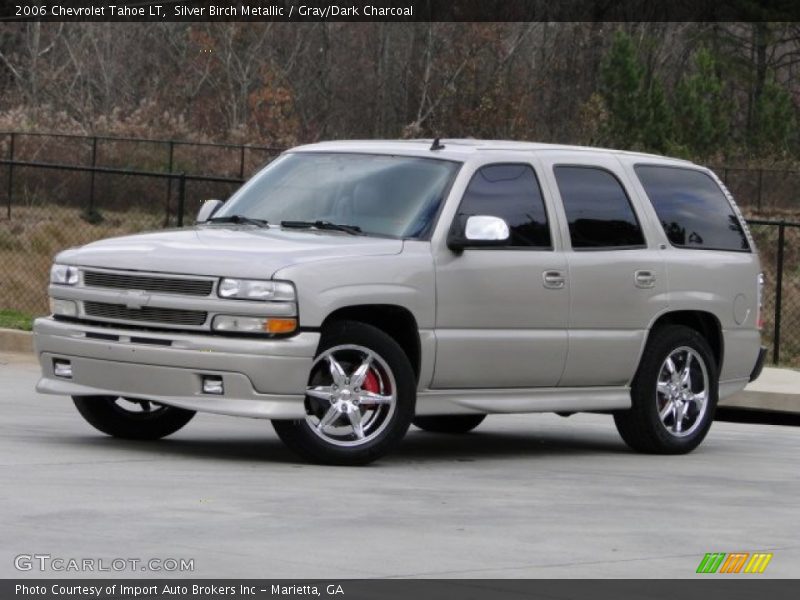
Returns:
(327, 225)
(239, 220)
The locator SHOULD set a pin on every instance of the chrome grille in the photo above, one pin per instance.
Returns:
(148, 283)
(150, 314)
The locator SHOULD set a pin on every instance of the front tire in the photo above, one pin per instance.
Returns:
(131, 419)
(359, 400)
(674, 394)
(449, 423)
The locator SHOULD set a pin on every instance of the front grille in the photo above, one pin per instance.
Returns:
(148, 283)
(150, 314)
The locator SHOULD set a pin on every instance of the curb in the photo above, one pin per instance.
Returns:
(746, 399)
(776, 390)
(13, 340)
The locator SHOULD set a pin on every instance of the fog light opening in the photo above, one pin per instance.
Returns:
(63, 308)
(212, 384)
(62, 368)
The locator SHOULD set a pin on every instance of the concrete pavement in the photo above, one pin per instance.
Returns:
(523, 496)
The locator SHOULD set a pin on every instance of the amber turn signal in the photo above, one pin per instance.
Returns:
(280, 325)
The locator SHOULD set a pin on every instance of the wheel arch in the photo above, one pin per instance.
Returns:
(703, 322)
(395, 321)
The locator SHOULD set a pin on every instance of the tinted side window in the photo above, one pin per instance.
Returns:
(598, 210)
(692, 209)
(510, 192)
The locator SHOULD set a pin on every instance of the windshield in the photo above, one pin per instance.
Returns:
(396, 196)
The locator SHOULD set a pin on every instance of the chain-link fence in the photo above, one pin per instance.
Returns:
(64, 190)
(46, 213)
(142, 154)
(762, 190)
(779, 247)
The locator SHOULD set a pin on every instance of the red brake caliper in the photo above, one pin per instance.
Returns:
(371, 383)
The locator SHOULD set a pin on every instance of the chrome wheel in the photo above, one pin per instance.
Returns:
(351, 395)
(682, 391)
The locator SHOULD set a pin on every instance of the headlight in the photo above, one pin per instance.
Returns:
(64, 275)
(253, 289)
(234, 324)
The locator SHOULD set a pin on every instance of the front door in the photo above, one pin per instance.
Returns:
(502, 312)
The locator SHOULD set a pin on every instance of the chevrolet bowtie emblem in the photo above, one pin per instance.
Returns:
(136, 299)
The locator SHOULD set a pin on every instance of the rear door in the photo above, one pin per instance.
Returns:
(617, 277)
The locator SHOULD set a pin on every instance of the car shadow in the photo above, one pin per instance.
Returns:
(473, 446)
(418, 446)
(239, 449)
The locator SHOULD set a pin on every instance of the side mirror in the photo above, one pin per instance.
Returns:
(478, 231)
(207, 210)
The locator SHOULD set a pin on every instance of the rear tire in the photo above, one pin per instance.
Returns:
(674, 394)
(449, 423)
(359, 400)
(131, 419)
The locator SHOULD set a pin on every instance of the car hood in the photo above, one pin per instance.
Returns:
(223, 251)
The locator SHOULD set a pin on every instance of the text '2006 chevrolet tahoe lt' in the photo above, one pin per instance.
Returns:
(350, 289)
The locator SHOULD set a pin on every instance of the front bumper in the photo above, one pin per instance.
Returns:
(263, 378)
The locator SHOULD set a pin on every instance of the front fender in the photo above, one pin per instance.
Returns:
(406, 280)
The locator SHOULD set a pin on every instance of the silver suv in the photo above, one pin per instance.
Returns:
(350, 289)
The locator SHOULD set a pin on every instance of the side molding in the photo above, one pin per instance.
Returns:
(533, 400)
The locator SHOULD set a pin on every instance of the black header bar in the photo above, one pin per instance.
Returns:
(744, 587)
(401, 10)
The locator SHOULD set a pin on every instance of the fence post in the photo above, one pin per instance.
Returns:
(776, 342)
(10, 172)
(241, 162)
(725, 176)
(169, 181)
(94, 164)
(760, 183)
(181, 197)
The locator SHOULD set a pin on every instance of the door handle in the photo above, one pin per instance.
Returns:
(644, 279)
(554, 280)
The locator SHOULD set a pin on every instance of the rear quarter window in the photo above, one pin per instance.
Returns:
(692, 209)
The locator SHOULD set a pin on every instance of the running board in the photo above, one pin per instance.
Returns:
(522, 400)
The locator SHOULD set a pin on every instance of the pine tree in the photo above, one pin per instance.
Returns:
(775, 121)
(621, 76)
(702, 111)
(657, 131)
